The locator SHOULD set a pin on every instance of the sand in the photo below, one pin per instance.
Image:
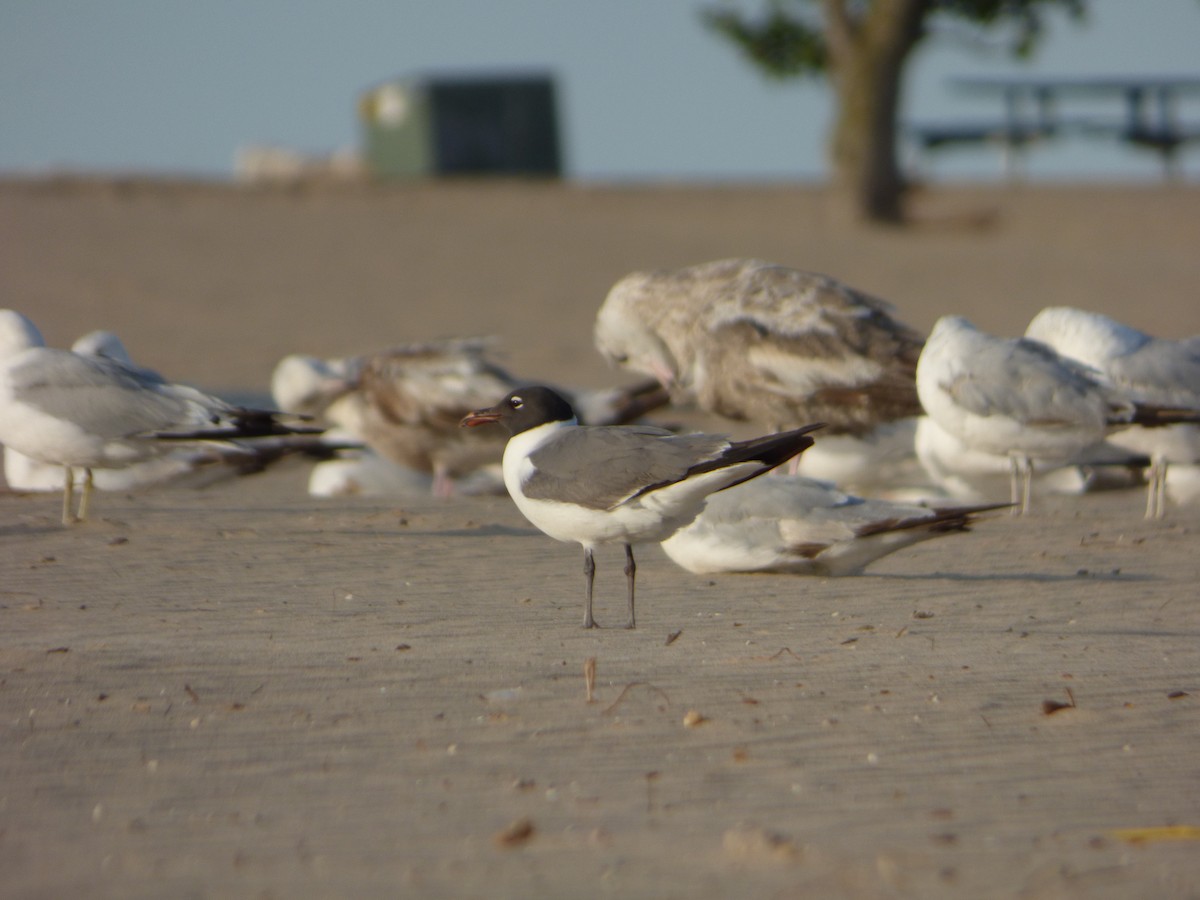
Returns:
(246, 692)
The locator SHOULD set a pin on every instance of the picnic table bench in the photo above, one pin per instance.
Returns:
(1032, 113)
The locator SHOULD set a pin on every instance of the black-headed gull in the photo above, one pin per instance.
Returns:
(627, 485)
(802, 526)
(1019, 398)
(94, 412)
(1146, 369)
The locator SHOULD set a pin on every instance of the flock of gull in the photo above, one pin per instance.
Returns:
(939, 428)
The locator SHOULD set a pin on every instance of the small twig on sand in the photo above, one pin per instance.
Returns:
(589, 678)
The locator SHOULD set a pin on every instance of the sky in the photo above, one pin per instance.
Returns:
(645, 91)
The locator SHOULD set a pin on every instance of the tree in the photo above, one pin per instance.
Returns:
(863, 46)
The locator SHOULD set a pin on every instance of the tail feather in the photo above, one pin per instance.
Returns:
(770, 451)
(244, 423)
(1159, 416)
(954, 518)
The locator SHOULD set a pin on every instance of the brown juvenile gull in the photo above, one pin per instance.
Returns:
(750, 340)
(405, 402)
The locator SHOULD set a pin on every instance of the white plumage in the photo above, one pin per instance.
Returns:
(1015, 397)
(802, 526)
(1147, 369)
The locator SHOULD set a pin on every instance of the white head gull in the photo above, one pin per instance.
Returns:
(1019, 398)
(1147, 369)
(596, 485)
(96, 412)
(802, 526)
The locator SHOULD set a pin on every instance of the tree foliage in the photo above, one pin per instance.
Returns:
(863, 46)
(788, 38)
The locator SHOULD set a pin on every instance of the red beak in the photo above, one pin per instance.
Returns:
(479, 417)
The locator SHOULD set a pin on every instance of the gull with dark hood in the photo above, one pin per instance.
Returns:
(625, 485)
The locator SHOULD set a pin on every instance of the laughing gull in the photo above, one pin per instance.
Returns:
(1021, 399)
(405, 402)
(749, 340)
(595, 484)
(802, 526)
(1147, 369)
(91, 412)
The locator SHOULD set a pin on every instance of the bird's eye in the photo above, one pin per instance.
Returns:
(516, 402)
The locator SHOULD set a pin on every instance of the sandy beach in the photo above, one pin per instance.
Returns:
(248, 692)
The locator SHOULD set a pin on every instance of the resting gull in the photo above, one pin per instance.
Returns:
(802, 526)
(753, 341)
(976, 476)
(1019, 398)
(97, 412)
(1147, 369)
(405, 403)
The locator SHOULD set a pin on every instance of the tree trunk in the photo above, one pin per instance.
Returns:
(867, 56)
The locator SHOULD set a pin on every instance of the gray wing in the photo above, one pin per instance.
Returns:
(1163, 373)
(601, 467)
(1026, 381)
(99, 395)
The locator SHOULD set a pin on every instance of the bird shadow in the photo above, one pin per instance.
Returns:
(1035, 577)
(22, 529)
(481, 531)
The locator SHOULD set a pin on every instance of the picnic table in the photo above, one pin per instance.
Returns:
(1033, 112)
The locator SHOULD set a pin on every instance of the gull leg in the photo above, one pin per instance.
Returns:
(85, 495)
(1162, 489)
(443, 484)
(1152, 490)
(1156, 495)
(630, 574)
(1014, 496)
(68, 494)
(589, 571)
(1026, 483)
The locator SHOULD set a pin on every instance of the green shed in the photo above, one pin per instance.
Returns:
(461, 125)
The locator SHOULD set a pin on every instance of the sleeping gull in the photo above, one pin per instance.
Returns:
(1147, 369)
(750, 340)
(803, 526)
(976, 476)
(1020, 399)
(92, 412)
(626, 485)
(405, 402)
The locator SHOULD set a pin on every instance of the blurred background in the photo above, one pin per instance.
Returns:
(644, 90)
